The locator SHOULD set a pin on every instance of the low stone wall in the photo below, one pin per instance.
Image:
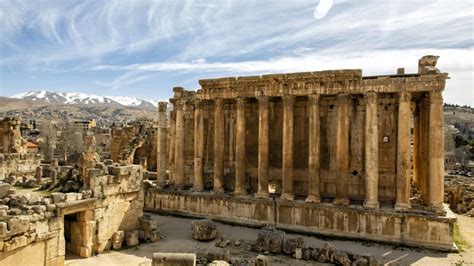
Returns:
(18, 163)
(386, 225)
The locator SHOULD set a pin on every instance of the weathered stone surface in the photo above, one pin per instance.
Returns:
(131, 238)
(204, 230)
(291, 244)
(270, 239)
(117, 239)
(178, 259)
(18, 224)
(58, 197)
(4, 189)
(147, 223)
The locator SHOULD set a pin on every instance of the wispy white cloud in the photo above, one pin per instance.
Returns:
(132, 40)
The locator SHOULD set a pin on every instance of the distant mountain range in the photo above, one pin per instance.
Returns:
(73, 98)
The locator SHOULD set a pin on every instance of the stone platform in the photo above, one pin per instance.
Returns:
(414, 228)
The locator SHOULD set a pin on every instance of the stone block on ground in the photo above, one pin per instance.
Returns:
(179, 259)
(117, 239)
(147, 223)
(131, 238)
(269, 239)
(291, 244)
(204, 230)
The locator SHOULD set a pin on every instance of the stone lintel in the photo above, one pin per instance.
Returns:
(75, 206)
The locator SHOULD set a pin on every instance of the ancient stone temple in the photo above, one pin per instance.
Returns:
(326, 152)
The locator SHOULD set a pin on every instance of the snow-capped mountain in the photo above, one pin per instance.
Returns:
(83, 99)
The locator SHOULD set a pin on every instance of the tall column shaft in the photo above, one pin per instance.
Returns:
(287, 165)
(436, 152)
(179, 145)
(219, 146)
(172, 141)
(263, 103)
(198, 146)
(416, 148)
(314, 145)
(424, 145)
(371, 152)
(240, 167)
(161, 145)
(403, 153)
(342, 149)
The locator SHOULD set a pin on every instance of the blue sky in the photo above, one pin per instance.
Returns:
(144, 48)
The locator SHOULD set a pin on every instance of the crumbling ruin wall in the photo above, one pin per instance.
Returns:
(35, 226)
(15, 163)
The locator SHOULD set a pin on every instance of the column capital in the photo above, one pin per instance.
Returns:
(371, 97)
(404, 96)
(288, 99)
(342, 97)
(436, 96)
(162, 106)
(241, 101)
(199, 104)
(219, 102)
(180, 104)
(314, 98)
(263, 99)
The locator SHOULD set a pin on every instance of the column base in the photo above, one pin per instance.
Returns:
(313, 199)
(401, 206)
(287, 196)
(240, 193)
(197, 189)
(262, 195)
(371, 204)
(218, 191)
(341, 201)
(438, 208)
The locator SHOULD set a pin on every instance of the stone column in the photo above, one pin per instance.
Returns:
(287, 165)
(172, 141)
(219, 146)
(39, 175)
(436, 152)
(161, 145)
(342, 149)
(314, 144)
(179, 145)
(371, 142)
(416, 148)
(403, 152)
(424, 145)
(198, 146)
(240, 167)
(263, 102)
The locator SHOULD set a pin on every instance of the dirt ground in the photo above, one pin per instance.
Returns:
(177, 232)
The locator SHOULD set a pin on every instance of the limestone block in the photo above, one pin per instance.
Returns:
(17, 242)
(117, 239)
(18, 225)
(183, 259)
(328, 251)
(70, 197)
(262, 260)
(291, 244)
(58, 197)
(3, 230)
(298, 253)
(270, 239)
(85, 252)
(149, 236)
(55, 223)
(131, 238)
(219, 263)
(147, 223)
(204, 230)
(4, 189)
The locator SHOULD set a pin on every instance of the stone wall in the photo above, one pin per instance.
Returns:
(15, 163)
(83, 223)
(412, 229)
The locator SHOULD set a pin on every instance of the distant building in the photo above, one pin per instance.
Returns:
(85, 124)
(31, 147)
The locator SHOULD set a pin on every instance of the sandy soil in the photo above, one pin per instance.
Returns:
(177, 233)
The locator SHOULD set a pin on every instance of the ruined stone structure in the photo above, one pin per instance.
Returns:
(10, 136)
(316, 152)
(132, 142)
(38, 230)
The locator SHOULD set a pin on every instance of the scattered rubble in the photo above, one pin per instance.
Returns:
(204, 230)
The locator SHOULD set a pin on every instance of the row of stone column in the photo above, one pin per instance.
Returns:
(435, 168)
